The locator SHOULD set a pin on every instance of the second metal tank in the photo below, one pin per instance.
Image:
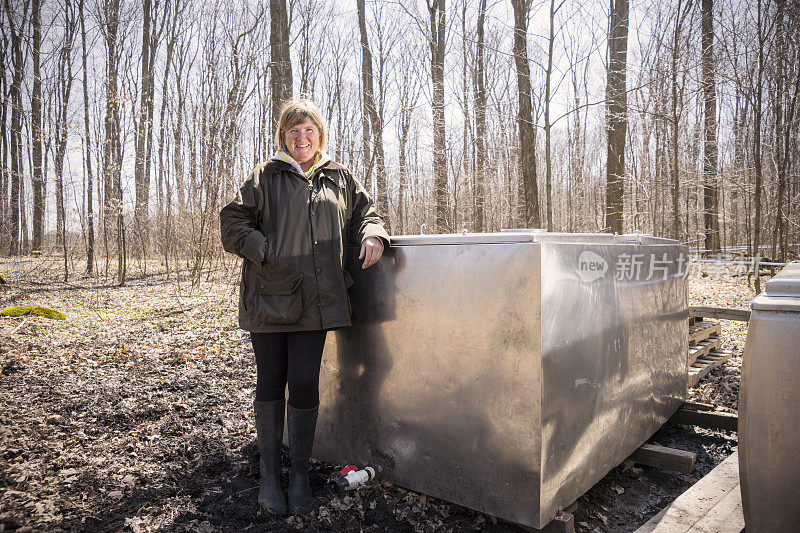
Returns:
(769, 408)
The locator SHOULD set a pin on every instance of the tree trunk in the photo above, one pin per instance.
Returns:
(177, 133)
(163, 184)
(23, 214)
(141, 177)
(366, 151)
(280, 61)
(790, 154)
(468, 179)
(710, 194)
(408, 86)
(784, 117)
(112, 142)
(403, 164)
(374, 124)
(547, 158)
(616, 114)
(88, 162)
(436, 9)
(479, 80)
(15, 95)
(527, 130)
(741, 173)
(4, 164)
(36, 125)
(64, 88)
(757, 167)
(675, 119)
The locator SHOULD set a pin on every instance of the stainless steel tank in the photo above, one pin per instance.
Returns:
(507, 372)
(769, 408)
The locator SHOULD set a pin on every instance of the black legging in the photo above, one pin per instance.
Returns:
(292, 357)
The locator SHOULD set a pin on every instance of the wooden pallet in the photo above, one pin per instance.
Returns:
(712, 504)
(701, 331)
(702, 348)
(705, 364)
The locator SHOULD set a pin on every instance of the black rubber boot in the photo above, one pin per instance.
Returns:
(302, 424)
(269, 426)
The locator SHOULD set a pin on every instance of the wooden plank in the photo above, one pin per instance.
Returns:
(725, 517)
(720, 313)
(702, 348)
(704, 506)
(706, 364)
(666, 458)
(706, 419)
(703, 330)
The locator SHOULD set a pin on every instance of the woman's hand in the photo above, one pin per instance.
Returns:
(371, 251)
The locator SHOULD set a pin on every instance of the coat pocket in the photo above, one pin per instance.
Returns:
(348, 279)
(279, 298)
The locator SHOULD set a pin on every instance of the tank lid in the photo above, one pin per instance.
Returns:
(508, 236)
(462, 238)
(781, 293)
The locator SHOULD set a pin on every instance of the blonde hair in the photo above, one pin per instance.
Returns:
(295, 112)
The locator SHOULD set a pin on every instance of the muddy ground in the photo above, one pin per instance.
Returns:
(134, 414)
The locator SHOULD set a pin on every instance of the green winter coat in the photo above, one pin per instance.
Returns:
(293, 233)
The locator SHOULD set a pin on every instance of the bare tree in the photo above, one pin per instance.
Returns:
(175, 11)
(182, 62)
(757, 118)
(372, 123)
(787, 74)
(436, 11)
(112, 144)
(576, 129)
(616, 113)
(479, 95)
(682, 10)
(527, 129)
(281, 63)
(36, 125)
(4, 144)
(63, 90)
(710, 198)
(547, 126)
(151, 34)
(310, 39)
(88, 140)
(16, 29)
(408, 86)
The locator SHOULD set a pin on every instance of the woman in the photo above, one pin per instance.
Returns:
(292, 221)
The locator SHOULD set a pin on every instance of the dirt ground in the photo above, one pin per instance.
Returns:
(134, 414)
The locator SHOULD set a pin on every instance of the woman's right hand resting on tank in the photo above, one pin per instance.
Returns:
(371, 251)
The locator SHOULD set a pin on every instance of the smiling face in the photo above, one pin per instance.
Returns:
(302, 143)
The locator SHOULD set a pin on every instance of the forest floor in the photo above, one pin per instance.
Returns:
(134, 414)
